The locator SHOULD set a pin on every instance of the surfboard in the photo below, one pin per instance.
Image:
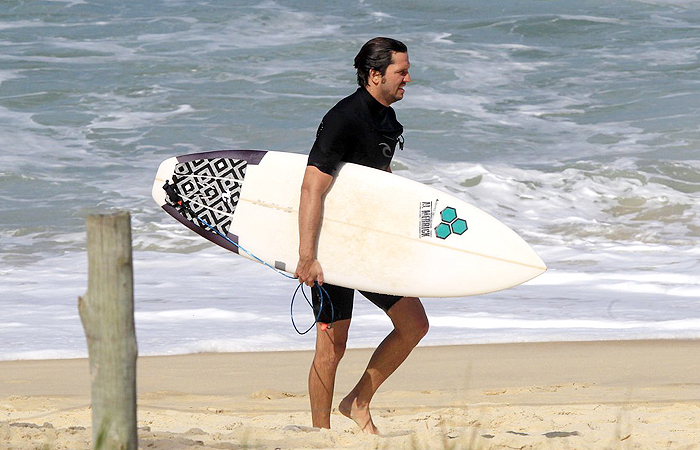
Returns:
(380, 232)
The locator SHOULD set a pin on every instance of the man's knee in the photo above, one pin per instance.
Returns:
(420, 327)
(423, 327)
(330, 354)
(330, 342)
(338, 350)
(410, 319)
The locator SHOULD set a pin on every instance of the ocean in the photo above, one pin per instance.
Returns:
(575, 123)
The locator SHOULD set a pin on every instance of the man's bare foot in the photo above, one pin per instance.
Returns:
(360, 415)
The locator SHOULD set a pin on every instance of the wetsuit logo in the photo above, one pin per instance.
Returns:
(386, 149)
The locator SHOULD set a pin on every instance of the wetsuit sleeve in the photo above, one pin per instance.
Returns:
(332, 140)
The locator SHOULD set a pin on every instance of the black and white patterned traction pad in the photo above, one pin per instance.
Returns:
(212, 188)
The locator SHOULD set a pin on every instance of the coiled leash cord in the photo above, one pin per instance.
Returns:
(180, 203)
(323, 296)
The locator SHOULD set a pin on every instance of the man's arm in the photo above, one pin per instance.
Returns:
(313, 191)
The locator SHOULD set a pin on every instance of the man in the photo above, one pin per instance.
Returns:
(361, 129)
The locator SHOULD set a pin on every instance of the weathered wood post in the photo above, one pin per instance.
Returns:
(107, 314)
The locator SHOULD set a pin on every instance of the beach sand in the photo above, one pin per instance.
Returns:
(584, 395)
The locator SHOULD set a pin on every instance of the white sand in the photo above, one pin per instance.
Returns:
(597, 395)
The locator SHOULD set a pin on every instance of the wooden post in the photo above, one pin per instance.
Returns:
(107, 314)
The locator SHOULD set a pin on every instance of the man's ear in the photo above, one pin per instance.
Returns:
(375, 77)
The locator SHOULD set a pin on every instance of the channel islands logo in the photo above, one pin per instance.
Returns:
(450, 224)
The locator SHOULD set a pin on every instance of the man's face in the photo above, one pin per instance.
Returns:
(391, 86)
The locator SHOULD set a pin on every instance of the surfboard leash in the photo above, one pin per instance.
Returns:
(184, 206)
(322, 294)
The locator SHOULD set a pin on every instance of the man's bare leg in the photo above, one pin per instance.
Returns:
(330, 347)
(410, 325)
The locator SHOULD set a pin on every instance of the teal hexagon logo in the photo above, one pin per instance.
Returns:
(443, 230)
(459, 226)
(448, 215)
(450, 224)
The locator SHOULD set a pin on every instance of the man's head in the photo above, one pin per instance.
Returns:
(382, 67)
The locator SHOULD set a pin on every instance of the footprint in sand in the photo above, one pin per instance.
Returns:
(271, 394)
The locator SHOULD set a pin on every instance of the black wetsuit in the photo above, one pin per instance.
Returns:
(357, 130)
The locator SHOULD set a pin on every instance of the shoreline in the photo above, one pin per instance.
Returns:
(554, 394)
(688, 338)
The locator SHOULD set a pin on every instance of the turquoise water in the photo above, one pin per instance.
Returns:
(575, 123)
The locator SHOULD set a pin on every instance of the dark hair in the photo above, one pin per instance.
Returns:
(376, 54)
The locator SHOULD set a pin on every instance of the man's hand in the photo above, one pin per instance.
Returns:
(309, 271)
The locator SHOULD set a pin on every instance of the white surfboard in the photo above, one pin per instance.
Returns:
(380, 232)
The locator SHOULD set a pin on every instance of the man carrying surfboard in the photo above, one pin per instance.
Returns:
(362, 129)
